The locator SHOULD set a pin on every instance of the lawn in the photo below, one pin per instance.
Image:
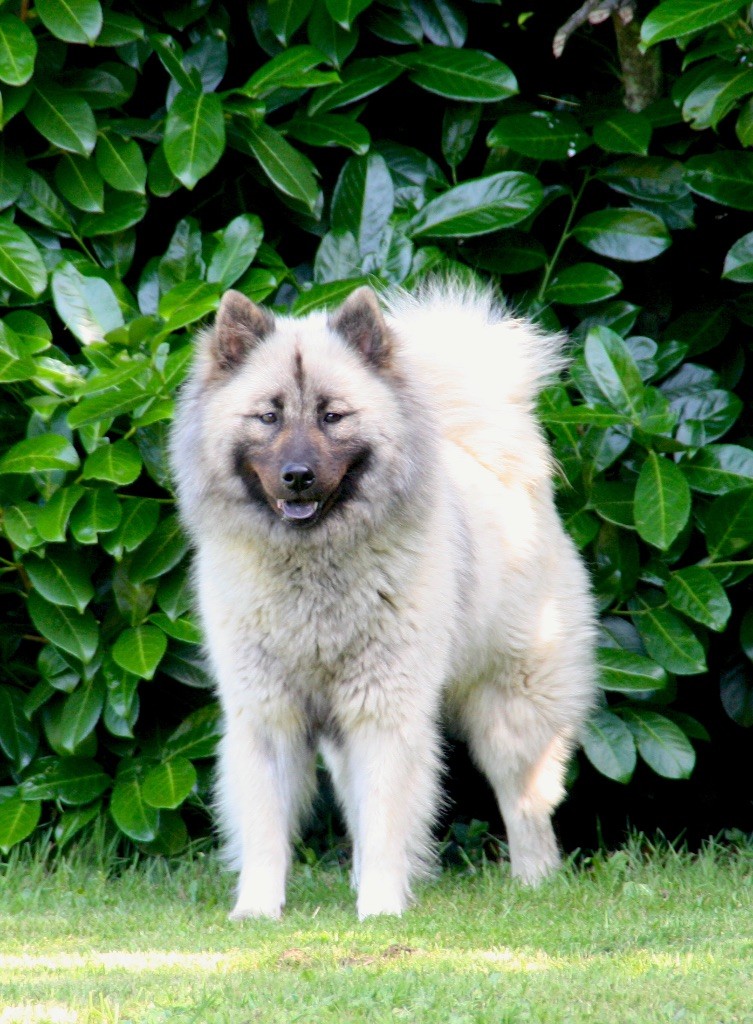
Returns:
(631, 937)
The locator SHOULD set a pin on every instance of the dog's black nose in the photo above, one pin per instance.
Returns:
(296, 477)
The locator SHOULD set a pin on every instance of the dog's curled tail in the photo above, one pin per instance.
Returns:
(484, 367)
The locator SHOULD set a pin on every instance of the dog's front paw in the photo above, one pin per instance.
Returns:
(374, 900)
(243, 910)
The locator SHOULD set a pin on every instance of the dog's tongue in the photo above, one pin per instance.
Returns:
(298, 509)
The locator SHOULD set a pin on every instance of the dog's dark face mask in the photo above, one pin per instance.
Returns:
(301, 473)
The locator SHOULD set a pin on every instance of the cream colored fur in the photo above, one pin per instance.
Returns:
(447, 587)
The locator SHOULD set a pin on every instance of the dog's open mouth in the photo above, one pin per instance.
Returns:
(298, 511)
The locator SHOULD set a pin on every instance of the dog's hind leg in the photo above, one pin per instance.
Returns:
(266, 781)
(522, 744)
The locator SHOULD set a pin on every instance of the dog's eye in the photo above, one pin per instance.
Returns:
(332, 417)
(268, 417)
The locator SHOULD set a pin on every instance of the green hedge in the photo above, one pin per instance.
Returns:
(293, 150)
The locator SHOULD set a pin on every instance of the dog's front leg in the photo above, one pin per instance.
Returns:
(393, 771)
(266, 778)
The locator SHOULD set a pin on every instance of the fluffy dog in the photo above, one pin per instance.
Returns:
(369, 496)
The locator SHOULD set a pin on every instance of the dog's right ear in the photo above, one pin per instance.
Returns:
(239, 326)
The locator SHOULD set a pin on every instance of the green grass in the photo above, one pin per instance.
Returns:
(635, 937)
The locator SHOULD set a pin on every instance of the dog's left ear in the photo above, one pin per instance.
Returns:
(360, 322)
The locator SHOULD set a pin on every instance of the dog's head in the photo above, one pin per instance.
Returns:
(304, 420)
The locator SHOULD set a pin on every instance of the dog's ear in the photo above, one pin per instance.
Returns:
(360, 322)
(239, 326)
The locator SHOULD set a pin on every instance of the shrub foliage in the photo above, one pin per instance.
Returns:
(151, 158)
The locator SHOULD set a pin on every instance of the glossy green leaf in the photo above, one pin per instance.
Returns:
(21, 264)
(661, 743)
(72, 780)
(18, 50)
(174, 594)
(285, 167)
(86, 305)
(614, 370)
(444, 23)
(139, 650)
(80, 183)
(285, 16)
(724, 177)
(14, 365)
(337, 259)
(194, 136)
(583, 283)
(719, 469)
(107, 405)
(63, 118)
(729, 525)
(294, 68)
(130, 812)
(19, 525)
(18, 736)
(627, 672)
(40, 455)
(121, 163)
(363, 200)
(706, 417)
(197, 736)
(160, 552)
(344, 12)
(237, 244)
(52, 519)
(73, 21)
(630, 235)
(76, 633)
(18, 819)
(738, 263)
(330, 130)
(13, 177)
(459, 126)
(717, 95)
(71, 823)
(698, 594)
(120, 29)
(668, 639)
(478, 207)
(675, 18)
(736, 693)
(609, 745)
(118, 463)
(662, 501)
(398, 23)
(613, 500)
(137, 522)
(183, 257)
(329, 38)
(188, 302)
(40, 202)
(98, 512)
(744, 124)
(359, 79)
(78, 714)
(168, 784)
(122, 211)
(185, 663)
(541, 135)
(623, 131)
(468, 75)
(61, 577)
